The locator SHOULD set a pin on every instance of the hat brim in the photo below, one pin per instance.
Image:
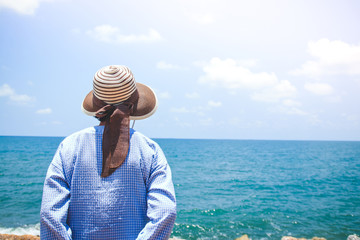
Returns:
(146, 106)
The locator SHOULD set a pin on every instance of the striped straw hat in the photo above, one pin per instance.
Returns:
(115, 84)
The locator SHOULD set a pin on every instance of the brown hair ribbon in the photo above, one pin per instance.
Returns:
(116, 136)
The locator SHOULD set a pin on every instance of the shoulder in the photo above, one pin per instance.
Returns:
(80, 135)
(76, 140)
(146, 147)
(73, 146)
(139, 139)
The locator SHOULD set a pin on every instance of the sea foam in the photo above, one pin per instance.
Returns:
(23, 230)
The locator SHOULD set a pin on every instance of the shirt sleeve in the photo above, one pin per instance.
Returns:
(55, 202)
(161, 202)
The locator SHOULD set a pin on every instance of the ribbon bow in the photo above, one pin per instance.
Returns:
(116, 136)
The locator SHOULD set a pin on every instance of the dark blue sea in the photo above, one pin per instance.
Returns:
(224, 188)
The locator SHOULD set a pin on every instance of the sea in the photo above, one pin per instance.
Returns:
(224, 188)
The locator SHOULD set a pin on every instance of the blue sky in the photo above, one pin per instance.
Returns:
(221, 69)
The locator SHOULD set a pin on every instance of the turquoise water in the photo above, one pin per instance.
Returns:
(224, 188)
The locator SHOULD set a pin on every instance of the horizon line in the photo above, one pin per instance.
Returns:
(224, 139)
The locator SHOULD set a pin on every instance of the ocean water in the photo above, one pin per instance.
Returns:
(224, 188)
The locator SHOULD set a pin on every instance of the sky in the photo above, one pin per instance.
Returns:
(221, 69)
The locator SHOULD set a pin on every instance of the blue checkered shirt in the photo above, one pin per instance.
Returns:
(136, 202)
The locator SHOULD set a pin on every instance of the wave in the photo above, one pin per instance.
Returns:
(23, 230)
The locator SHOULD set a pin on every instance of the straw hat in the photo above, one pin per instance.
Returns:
(115, 100)
(114, 85)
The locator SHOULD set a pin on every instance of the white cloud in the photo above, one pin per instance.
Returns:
(21, 98)
(44, 111)
(247, 63)
(230, 74)
(202, 12)
(197, 110)
(290, 110)
(235, 121)
(7, 91)
(110, 34)
(168, 66)
(315, 120)
(180, 110)
(283, 89)
(295, 111)
(351, 118)
(164, 95)
(319, 88)
(290, 107)
(214, 104)
(331, 58)
(206, 121)
(333, 98)
(27, 7)
(182, 123)
(192, 95)
(291, 103)
(202, 19)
